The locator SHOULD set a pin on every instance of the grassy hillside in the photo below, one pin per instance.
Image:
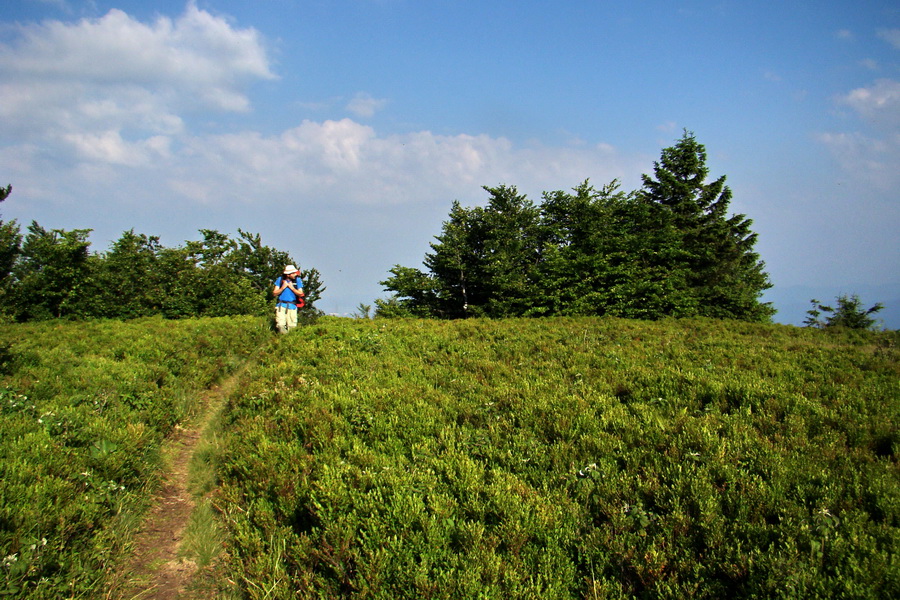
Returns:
(554, 458)
(84, 408)
(566, 458)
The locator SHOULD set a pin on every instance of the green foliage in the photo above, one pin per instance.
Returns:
(126, 282)
(722, 271)
(312, 288)
(417, 295)
(565, 458)
(849, 313)
(393, 307)
(557, 458)
(482, 263)
(50, 273)
(668, 250)
(363, 311)
(607, 253)
(10, 247)
(485, 256)
(83, 409)
(53, 274)
(510, 252)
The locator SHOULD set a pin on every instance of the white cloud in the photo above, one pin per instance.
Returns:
(869, 63)
(195, 51)
(867, 161)
(101, 108)
(364, 105)
(95, 75)
(667, 127)
(870, 155)
(347, 162)
(844, 34)
(891, 36)
(870, 160)
(109, 147)
(878, 103)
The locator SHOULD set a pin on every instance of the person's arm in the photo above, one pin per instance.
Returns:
(295, 286)
(278, 289)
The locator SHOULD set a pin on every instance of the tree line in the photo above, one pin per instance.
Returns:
(47, 274)
(668, 249)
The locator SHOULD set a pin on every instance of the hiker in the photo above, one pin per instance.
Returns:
(289, 291)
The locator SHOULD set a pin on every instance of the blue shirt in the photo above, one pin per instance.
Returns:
(288, 296)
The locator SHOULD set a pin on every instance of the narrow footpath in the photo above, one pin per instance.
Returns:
(158, 569)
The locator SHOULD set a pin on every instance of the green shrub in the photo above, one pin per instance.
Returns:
(565, 458)
(83, 409)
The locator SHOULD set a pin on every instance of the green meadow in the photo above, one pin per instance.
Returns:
(84, 408)
(520, 458)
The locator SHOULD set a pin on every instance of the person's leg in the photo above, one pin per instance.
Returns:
(281, 319)
(291, 319)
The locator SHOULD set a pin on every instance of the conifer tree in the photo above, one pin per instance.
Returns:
(715, 251)
(670, 249)
(848, 313)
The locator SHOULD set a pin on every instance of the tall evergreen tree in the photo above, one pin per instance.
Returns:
(511, 253)
(670, 249)
(576, 266)
(605, 252)
(456, 263)
(456, 284)
(724, 274)
(482, 264)
(849, 313)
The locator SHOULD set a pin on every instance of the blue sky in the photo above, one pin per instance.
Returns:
(342, 131)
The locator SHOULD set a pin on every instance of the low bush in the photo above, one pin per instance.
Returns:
(565, 458)
(83, 410)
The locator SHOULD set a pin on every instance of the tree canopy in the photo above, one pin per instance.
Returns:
(668, 249)
(53, 274)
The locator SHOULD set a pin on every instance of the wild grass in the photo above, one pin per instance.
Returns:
(566, 458)
(546, 458)
(204, 537)
(84, 408)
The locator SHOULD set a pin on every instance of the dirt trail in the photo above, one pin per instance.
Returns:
(155, 571)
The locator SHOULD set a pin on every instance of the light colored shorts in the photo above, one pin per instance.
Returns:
(285, 318)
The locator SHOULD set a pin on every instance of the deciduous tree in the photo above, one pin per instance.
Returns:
(51, 273)
(10, 246)
(126, 281)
